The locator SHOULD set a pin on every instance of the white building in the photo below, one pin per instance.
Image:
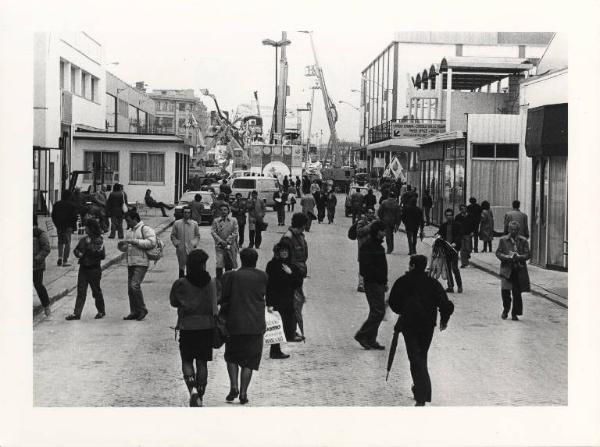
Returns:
(69, 90)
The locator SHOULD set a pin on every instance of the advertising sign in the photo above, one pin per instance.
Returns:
(416, 130)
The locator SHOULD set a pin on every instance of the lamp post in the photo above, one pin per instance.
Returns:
(280, 43)
(348, 104)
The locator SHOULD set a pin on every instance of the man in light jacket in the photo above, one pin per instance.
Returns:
(256, 215)
(517, 216)
(140, 239)
(185, 237)
(224, 231)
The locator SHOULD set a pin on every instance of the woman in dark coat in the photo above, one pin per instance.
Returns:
(114, 209)
(243, 305)
(486, 229)
(284, 278)
(195, 297)
(331, 204)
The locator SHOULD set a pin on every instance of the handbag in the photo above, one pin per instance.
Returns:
(156, 252)
(219, 333)
(124, 206)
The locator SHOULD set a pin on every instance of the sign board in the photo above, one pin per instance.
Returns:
(416, 130)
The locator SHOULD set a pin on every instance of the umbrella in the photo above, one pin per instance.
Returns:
(393, 347)
(299, 300)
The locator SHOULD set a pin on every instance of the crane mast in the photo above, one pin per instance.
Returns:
(330, 110)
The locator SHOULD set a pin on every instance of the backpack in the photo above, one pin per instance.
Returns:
(352, 232)
(155, 253)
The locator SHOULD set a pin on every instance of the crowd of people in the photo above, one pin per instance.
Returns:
(235, 301)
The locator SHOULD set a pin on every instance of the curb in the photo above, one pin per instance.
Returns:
(560, 301)
(38, 309)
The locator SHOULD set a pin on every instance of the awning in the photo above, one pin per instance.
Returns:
(116, 136)
(395, 145)
(447, 136)
(547, 130)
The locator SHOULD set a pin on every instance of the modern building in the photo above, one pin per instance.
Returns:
(181, 113)
(128, 109)
(68, 91)
(392, 74)
(544, 144)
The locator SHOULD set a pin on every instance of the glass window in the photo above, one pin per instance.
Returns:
(142, 120)
(108, 162)
(182, 106)
(133, 118)
(73, 77)
(123, 108)
(507, 151)
(156, 167)
(147, 167)
(84, 91)
(138, 167)
(62, 75)
(111, 113)
(483, 151)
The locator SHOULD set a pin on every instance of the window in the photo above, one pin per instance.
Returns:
(158, 103)
(111, 113)
(182, 106)
(73, 78)
(147, 167)
(101, 161)
(123, 108)
(62, 75)
(133, 118)
(495, 151)
(95, 83)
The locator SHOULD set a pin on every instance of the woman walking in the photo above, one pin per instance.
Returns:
(243, 305)
(486, 229)
(284, 278)
(90, 251)
(195, 297)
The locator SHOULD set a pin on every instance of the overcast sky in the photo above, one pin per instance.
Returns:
(235, 64)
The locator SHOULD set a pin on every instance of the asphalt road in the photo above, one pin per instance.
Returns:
(479, 360)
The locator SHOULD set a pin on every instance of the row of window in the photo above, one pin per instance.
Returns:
(137, 118)
(169, 106)
(495, 151)
(144, 167)
(79, 82)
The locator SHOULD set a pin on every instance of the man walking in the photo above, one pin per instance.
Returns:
(356, 203)
(451, 232)
(256, 215)
(294, 238)
(307, 202)
(475, 210)
(390, 214)
(225, 234)
(197, 207)
(140, 239)
(412, 217)
(370, 200)
(280, 198)
(427, 204)
(416, 297)
(41, 249)
(362, 235)
(64, 217)
(238, 212)
(517, 216)
(374, 269)
(468, 225)
(513, 252)
(185, 236)
(115, 203)
(225, 189)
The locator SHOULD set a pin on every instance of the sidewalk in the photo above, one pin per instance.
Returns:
(60, 281)
(550, 284)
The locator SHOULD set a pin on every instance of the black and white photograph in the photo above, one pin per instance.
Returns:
(268, 221)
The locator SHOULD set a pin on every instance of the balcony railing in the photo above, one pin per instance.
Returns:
(410, 128)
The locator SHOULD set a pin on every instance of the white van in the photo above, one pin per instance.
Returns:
(265, 186)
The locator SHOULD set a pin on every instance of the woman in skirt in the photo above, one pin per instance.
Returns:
(243, 305)
(195, 297)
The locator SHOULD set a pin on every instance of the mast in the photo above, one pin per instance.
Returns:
(282, 90)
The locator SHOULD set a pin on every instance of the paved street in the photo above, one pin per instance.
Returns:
(479, 360)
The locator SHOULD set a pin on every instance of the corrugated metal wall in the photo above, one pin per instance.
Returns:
(494, 128)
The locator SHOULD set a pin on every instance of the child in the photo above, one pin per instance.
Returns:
(90, 251)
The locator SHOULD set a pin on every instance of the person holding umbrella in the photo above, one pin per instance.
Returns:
(416, 298)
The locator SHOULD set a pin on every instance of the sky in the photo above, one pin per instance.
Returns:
(235, 64)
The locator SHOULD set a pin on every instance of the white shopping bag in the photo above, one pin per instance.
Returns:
(274, 333)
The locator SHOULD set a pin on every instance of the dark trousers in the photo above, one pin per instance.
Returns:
(288, 319)
(452, 263)
(417, 346)
(116, 225)
(89, 276)
(162, 207)
(38, 283)
(389, 237)
(465, 250)
(330, 214)
(427, 211)
(64, 243)
(517, 300)
(135, 276)
(355, 215)
(320, 214)
(281, 214)
(376, 298)
(476, 242)
(487, 246)
(255, 237)
(241, 228)
(412, 242)
(308, 223)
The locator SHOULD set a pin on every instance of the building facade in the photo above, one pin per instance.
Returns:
(128, 109)
(68, 91)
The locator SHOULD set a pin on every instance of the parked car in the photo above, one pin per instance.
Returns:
(353, 188)
(188, 197)
(265, 186)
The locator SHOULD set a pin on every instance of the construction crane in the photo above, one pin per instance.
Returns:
(330, 109)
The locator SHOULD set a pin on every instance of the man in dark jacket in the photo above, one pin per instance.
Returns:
(279, 200)
(427, 204)
(225, 189)
(374, 269)
(64, 217)
(114, 208)
(370, 200)
(518, 216)
(390, 214)
(475, 210)
(412, 217)
(451, 232)
(416, 297)
(356, 203)
(238, 211)
(469, 226)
